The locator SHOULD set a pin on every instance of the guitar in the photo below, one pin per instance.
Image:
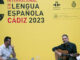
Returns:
(65, 54)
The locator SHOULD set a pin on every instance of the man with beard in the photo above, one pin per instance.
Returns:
(70, 47)
(6, 50)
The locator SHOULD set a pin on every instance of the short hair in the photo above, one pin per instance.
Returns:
(65, 35)
(6, 38)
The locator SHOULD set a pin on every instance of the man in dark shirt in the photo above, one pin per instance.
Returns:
(70, 47)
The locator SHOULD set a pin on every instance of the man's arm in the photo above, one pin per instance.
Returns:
(58, 47)
(0, 54)
(13, 52)
(58, 53)
(74, 49)
(55, 50)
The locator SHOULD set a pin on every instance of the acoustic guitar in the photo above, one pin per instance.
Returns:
(65, 54)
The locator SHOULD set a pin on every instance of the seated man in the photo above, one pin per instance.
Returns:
(70, 47)
(6, 50)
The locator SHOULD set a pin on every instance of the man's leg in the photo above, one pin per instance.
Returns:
(71, 58)
(59, 59)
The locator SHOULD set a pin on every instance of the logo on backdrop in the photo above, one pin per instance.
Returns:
(56, 4)
(73, 4)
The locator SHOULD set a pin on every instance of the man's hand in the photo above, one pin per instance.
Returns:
(58, 53)
(13, 54)
(12, 47)
(71, 55)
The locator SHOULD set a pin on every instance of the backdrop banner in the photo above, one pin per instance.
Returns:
(37, 26)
